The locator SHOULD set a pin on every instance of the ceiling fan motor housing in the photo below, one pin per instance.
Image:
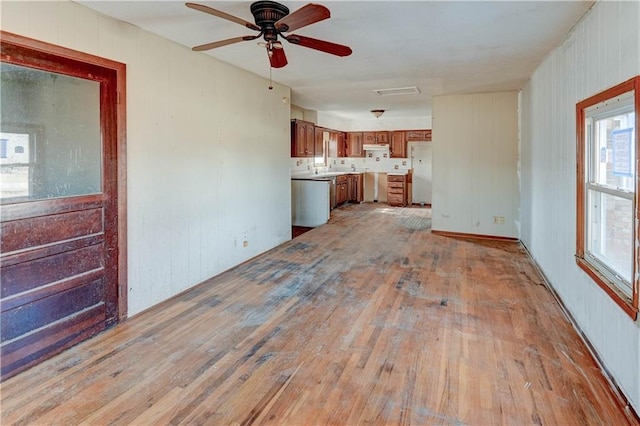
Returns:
(266, 14)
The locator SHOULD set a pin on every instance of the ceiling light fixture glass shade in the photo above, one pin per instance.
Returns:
(377, 112)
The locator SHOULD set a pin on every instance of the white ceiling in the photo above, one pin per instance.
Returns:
(442, 47)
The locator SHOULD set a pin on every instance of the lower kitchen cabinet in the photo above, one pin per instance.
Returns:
(356, 188)
(342, 189)
(397, 190)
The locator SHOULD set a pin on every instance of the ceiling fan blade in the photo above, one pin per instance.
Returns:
(219, 14)
(306, 15)
(209, 46)
(277, 58)
(321, 45)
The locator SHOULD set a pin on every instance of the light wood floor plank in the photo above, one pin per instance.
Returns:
(370, 319)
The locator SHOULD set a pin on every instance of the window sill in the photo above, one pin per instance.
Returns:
(620, 298)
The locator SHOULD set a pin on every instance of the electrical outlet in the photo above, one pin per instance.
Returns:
(501, 220)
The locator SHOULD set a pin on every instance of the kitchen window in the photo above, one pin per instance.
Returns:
(607, 195)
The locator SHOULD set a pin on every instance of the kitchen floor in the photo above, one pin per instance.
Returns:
(369, 319)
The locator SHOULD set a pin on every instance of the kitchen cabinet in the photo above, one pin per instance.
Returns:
(302, 138)
(354, 144)
(318, 144)
(337, 144)
(375, 137)
(342, 189)
(418, 135)
(397, 190)
(355, 187)
(398, 145)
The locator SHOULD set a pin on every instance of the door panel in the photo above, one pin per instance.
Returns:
(59, 225)
(33, 232)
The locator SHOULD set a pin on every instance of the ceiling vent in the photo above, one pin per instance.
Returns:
(397, 91)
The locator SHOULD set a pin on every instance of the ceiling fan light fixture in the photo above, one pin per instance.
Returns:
(377, 112)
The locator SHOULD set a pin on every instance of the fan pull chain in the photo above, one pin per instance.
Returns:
(270, 82)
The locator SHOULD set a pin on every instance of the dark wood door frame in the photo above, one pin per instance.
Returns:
(32, 53)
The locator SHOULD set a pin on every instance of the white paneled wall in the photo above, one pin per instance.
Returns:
(475, 152)
(208, 150)
(602, 51)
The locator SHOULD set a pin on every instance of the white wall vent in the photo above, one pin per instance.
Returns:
(398, 91)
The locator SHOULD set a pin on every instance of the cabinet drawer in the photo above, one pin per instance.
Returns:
(395, 191)
(395, 178)
(341, 179)
(395, 199)
(395, 184)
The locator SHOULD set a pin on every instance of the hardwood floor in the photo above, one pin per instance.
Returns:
(369, 319)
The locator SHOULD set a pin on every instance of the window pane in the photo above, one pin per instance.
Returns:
(50, 133)
(14, 165)
(614, 152)
(610, 234)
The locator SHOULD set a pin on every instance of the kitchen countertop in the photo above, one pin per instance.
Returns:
(329, 175)
(322, 176)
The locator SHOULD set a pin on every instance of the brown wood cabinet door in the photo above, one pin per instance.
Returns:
(418, 135)
(298, 139)
(337, 144)
(310, 140)
(59, 232)
(359, 188)
(368, 137)
(398, 146)
(342, 144)
(318, 145)
(333, 149)
(382, 137)
(355, 188)
(299, 143)
(354, 144)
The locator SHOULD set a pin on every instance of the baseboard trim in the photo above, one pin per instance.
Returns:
(622, 400)
(475, 236)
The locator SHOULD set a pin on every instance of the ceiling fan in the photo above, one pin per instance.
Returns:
(273, 20)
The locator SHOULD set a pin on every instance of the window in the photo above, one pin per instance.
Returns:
(608, 215)
(50, 140)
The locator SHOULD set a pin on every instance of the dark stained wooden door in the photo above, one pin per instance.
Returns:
(58, 246)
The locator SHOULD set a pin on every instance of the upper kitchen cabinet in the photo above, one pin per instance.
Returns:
(398, 145)
(418, 135)
(318, 146)
(354, 144)
(302, 138)
(375, 137)
(337, 144)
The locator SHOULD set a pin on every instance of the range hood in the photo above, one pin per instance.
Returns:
(376, 147)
